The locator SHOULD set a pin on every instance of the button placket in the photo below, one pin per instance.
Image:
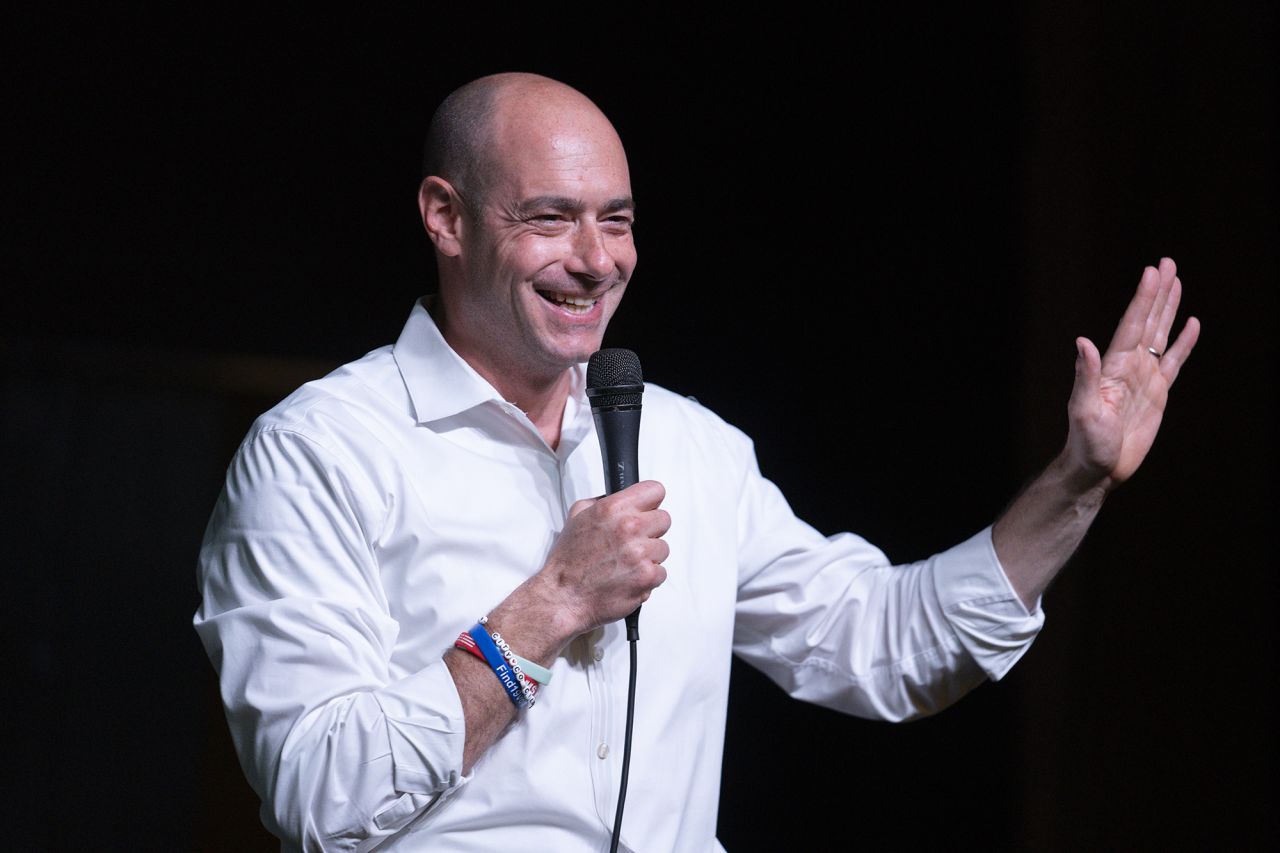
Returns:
(579, 474)
(601, 761)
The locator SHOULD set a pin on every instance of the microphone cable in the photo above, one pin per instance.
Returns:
(633, 634)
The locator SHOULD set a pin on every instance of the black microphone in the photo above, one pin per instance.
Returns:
(615, 386)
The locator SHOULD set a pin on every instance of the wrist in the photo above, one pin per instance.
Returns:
(1079, 482)
(535, 619)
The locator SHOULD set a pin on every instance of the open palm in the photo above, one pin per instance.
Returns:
(1119, 397)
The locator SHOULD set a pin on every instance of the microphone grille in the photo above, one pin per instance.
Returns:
(615, 368)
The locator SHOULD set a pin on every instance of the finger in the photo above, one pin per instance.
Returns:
(655, 523)
(1152, 327)
(582, 505)
(658, 576)
(638, 554)
(644, 495)
(1167, 315)
(1129, 332)
(1177, 354)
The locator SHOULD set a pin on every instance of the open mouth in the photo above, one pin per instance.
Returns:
(572, 304)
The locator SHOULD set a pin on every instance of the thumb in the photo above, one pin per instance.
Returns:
(1088, 367)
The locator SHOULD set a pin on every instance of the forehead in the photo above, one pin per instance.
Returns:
(557, 149)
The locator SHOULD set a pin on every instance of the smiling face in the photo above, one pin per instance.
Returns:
(545, 250)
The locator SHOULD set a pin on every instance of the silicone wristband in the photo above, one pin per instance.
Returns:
(536, 672)
(467, 644)
(512, 658)
(540, 674)
(506, 676)
(527, 684)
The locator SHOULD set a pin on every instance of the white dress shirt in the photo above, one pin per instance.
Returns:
(378, 512)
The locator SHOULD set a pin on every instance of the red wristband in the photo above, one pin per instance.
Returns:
(467, 644)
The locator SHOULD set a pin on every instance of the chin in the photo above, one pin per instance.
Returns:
(577, 356)
(578, 351)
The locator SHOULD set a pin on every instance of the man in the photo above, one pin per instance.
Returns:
(376, 514)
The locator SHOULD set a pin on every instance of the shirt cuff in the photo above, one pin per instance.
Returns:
(426, 729)
(989, 618)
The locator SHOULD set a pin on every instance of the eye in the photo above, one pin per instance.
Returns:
(547, 221)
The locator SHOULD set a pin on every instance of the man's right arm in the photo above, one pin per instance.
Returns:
(605, 563)
(295, 619)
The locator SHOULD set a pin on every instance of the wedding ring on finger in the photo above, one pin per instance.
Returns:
(1155, 352)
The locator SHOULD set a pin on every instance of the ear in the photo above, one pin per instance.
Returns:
(441, 210)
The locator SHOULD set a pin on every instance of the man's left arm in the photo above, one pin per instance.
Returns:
(1114, 413)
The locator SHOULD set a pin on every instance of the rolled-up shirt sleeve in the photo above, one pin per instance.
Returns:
(295, 620)
(831, 621)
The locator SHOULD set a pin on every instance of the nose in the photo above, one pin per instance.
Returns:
(590, 255)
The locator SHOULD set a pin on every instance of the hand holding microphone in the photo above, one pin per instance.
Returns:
(609, 555)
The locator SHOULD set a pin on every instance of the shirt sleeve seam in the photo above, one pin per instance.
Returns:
(371, 536)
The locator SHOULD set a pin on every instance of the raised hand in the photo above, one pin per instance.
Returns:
(1114, 413)
(1119, 397)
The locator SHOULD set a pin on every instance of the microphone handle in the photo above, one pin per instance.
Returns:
(619, 432)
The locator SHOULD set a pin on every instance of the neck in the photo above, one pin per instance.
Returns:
(541, 397)
(543, 402)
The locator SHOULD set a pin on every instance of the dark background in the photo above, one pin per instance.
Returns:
(870, 245)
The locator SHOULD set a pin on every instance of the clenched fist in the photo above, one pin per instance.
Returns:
(609, 555)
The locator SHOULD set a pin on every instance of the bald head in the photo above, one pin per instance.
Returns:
(459, 145)
(528, 203)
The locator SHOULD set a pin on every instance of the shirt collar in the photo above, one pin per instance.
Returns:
(441, 383)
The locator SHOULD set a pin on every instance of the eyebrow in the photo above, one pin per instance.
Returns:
(564, 204)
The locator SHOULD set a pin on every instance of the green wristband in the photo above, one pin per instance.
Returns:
(540, 674)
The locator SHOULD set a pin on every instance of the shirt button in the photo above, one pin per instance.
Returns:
(597, 653)
(602, 751)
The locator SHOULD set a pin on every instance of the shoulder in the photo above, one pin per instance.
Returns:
(685, 408)
(687, 421)
(343, 427)
(355, 402)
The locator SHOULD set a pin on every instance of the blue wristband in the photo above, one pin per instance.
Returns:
(499, 665)
(537, 672)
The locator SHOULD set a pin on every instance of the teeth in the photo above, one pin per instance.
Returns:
(577, 304)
